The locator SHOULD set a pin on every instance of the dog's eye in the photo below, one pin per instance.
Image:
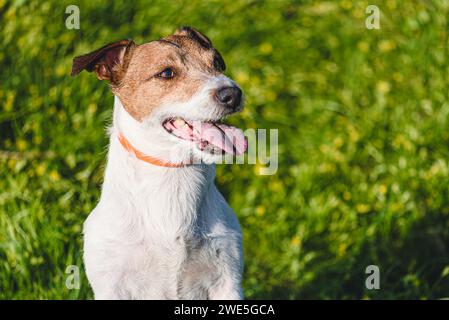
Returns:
(167, 73)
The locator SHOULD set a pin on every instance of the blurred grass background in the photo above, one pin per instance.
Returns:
(363, 132)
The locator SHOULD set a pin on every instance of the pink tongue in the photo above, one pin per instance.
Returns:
(227, 138)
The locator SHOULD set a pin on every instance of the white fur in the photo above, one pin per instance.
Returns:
(158, 232)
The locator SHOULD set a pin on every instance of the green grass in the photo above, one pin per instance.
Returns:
(363, 141)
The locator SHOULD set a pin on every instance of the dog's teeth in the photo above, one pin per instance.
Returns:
(179, 122)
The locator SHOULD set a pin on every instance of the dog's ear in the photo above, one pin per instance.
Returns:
(107, 61)
(195, 35)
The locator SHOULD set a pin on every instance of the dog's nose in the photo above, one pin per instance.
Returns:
(229, 96)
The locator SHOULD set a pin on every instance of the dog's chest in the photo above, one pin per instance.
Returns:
(177, 268)
(156, 233)
(159, 245)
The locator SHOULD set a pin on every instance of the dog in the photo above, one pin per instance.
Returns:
(161, 229)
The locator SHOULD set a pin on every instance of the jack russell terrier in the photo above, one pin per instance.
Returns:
(161, 229)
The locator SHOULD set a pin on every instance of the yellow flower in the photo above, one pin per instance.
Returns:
(61, 70)
(391, 4)
(36, 260)
(383, 86)
(362, 208)
(383, 189)
(256, 64)
(12, 163)
(338, 142)
(296, 241)
(327, 167)
(37, 139)
(8, 106)
(363, 46)
(353, 134)
(266, 48)
(21, 144)
(54, 175)
(386, 45)
(275, 186)
(270, 95)
(342, 249)
(40, 170)
(260, 210)
(92, 108)
(346, 4)
(241, 77)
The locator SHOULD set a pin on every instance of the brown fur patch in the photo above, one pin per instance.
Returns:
(141, 91)
(132, 69)
(194, 35)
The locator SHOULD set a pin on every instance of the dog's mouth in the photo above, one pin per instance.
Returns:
(212, 137)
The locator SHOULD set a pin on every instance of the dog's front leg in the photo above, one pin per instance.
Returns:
(108, 287)
(226, 290)
(230, 266)
(107, 295)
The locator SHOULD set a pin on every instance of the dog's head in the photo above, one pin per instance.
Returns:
(175, 88)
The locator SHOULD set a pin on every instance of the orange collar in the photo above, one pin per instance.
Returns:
(141, 156)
